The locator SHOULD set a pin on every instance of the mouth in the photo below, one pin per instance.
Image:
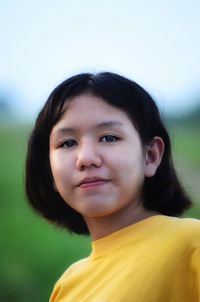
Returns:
(92, 182)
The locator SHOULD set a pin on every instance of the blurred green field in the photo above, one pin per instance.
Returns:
(33, 253)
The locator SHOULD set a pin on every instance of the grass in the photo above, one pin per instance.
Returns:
(34, 254)
(186, 147)
(186, 143)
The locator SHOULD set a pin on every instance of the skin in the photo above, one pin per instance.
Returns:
(99, 164)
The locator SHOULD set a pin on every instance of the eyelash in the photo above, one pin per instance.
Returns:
(68, 143)
(105, 139)
(113, 138)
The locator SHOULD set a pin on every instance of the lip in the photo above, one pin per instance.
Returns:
(90, 182)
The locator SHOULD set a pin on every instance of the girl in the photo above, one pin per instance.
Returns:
(99, 163)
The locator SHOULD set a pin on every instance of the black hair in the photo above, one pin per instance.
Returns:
(162, 192)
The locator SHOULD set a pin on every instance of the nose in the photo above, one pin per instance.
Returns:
(88, 156)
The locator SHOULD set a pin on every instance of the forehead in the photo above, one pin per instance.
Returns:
(91, 108)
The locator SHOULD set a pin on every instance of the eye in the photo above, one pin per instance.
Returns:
(109, 138)
(69, 143)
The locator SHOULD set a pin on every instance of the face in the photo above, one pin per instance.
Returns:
(96, 157)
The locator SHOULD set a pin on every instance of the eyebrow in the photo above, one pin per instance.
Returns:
(102, 125)
(108, 124)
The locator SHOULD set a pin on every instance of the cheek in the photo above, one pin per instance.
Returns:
(131, 170)
(129, 160)
(54, 164)
(62, 177)
(60, 168)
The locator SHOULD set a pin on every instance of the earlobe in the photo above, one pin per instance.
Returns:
(153, 156)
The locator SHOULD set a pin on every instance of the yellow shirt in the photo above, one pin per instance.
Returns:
(154, 260)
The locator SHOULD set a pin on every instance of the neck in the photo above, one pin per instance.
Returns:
(102, 226)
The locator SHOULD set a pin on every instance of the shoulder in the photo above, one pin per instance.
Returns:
(71, 269)
(180, 237)
(67, 274)
(188, 225)
(191, 228)
(181, 222)
(185, 229)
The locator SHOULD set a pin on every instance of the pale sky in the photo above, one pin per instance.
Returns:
(156, 43)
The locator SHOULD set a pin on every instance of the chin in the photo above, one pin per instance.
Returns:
(98, 213)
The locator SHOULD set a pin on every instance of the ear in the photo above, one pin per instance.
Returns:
(153, 156)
